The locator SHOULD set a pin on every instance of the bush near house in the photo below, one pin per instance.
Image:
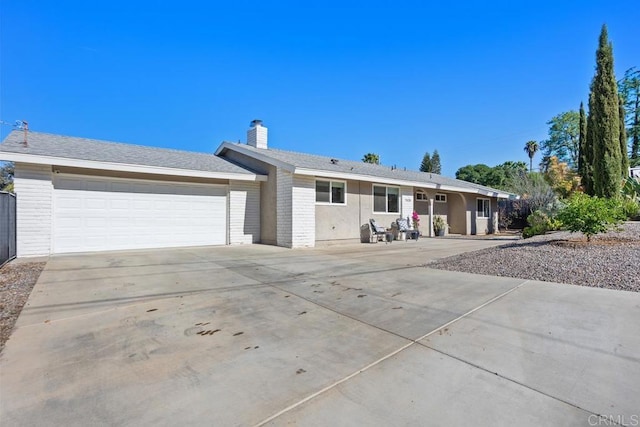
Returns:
(630, 209)
(539, 223)
(591, 215)
(630, 193)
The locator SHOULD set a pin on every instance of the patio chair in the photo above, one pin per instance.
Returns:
(403, 227)
(379, 233)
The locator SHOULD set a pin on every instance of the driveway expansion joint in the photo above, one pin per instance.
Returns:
(388, 356)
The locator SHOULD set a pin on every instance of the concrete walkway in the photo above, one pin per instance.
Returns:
(342, 335)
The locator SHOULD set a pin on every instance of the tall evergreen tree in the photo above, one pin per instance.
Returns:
(584, 160)
(589, 151)
(603, 126)
(425, 166)
(624, 163)
(435, 163)
(630, 90)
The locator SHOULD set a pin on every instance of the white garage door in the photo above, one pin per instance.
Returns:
(96, 214)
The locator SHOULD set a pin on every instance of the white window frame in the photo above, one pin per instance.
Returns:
(386, 196)
(331, 182)
(421, 195)
(480, 214)
(440, 198)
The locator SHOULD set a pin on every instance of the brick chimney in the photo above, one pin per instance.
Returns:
(257, 135)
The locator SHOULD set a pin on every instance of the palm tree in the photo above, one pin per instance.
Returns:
(371, 158)
(531, 147)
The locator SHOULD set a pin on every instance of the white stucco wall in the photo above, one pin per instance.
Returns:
(244, 212)
(34, 191)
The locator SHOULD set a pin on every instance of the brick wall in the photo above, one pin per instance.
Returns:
(303, 211)
(283, 208)
(296, 214)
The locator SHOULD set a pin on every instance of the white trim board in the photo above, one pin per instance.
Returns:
(122, 167)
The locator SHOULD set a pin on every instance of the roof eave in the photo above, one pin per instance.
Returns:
(124, 167)
(258, 156)
(402, 182)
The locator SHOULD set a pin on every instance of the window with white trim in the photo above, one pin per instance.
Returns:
(386, 199)
(441, 198)
(421, 195)
(484, 208)
(331, 192)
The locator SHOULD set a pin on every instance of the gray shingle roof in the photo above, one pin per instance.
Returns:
(50, 145)
(317, 162)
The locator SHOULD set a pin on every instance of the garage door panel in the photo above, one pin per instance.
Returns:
(109, 214)
(71, 184)
(95, 186)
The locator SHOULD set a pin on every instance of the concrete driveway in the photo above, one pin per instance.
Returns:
(344, 335)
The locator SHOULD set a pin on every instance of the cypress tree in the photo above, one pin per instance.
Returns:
(623, 139)
(589, 154)
(584, 159)
(603, 124)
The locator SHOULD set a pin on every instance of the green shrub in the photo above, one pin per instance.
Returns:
(591, 215)
(630, 208)
(631, 189)
(539, 223)
(533, 231)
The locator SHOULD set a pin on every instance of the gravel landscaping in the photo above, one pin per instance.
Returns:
(610, 260)
(17, 279)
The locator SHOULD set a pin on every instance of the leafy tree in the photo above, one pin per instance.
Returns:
(535, 192)
(426, 165)
(564, 138)
(518, 167)
(6, 177)
(497, 177)
(371, 158)
(561, 178)
(531, 147)
(603, 122)
(473, 173)
(435, 163)
(590, 215)
(629, 87)
(501, 176)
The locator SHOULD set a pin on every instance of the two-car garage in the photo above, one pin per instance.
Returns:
(84, 195)
(98, 213)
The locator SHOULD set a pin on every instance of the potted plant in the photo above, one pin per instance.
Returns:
(415, 220)
(439, 225)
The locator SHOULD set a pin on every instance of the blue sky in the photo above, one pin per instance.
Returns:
(474, 80)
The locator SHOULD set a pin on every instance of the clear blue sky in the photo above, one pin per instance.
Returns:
(474, 80)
